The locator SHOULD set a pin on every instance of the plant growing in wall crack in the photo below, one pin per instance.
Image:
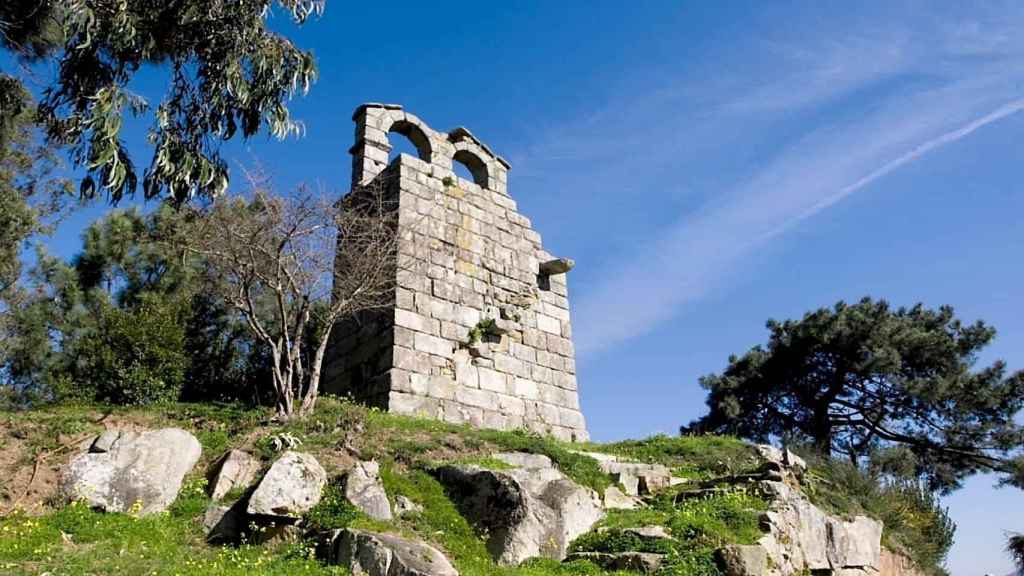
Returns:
(485, 327)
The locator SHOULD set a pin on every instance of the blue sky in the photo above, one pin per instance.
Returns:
(710, 166)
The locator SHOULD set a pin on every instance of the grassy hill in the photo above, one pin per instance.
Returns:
(39, 535)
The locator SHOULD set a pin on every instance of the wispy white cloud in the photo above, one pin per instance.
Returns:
(755, 155)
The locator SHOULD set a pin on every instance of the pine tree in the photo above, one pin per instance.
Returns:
(896, 388)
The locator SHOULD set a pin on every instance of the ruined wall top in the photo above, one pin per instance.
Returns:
(439, 149)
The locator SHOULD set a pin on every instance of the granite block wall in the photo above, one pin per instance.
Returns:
(479, 331)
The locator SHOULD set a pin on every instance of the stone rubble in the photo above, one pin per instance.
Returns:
(530, 510)
(636, 478)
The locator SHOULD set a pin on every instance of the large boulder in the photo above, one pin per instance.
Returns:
(236, 469)
(531, 510)
(293, 485)
(364, 490)
(375, 554)
(126, 471)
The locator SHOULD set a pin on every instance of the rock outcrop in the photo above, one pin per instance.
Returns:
(803, 537)
(373, 554)
(894, 564)
(293, 485)
(365, 491)
(528, 511)
(126, 471)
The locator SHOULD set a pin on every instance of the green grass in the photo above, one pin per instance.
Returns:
(696, 457)
(77, 541)
(584, 470)
(698, 527)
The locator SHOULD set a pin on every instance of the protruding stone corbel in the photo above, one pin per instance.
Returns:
(556, 266)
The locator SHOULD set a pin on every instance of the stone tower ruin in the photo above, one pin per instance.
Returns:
(479, 330)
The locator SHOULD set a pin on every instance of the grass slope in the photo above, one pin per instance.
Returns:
(73, 540)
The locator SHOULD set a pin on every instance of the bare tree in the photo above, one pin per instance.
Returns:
(295, 265)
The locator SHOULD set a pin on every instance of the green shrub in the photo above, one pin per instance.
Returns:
(134, 356)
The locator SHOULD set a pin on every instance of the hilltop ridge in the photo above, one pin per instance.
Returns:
(670, 506)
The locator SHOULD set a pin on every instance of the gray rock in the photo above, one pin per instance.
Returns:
(630, 482)
(404, 506)
(856, 543)
(616, 499)
(274, 532)
(140, 472)
(642, 562)
(225, 524)
(105, 441)
(803, 537)
(524, 460)
(770, 453)
(743, 560)
(236, 469)
(293, 485)
(557, 266)
(364, 490)
(526, 512)
(649, 532)
(636, 478)
(374, 554)
(785, 458)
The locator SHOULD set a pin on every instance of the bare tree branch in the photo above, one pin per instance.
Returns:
(295, 265)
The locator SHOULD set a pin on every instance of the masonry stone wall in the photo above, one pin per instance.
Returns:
(479, 330)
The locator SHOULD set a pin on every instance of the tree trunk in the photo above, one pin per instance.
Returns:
(315, 369)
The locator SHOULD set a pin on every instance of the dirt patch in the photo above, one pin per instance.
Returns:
(30, 482)
(36, 446)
